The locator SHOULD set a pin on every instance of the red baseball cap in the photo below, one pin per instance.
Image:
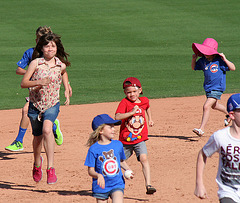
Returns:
(134, 82)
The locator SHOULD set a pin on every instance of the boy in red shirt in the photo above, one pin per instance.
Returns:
(134, 131)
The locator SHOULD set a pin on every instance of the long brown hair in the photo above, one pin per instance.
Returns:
(44, 40)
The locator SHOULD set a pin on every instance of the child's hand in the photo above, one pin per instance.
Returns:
(150, 123)
(45, 81)
(135, 108)
(67, 102)
(222, 56)
(200, 192)
(101, 181)
(194, 56)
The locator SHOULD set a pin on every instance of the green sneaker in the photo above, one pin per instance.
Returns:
(15, 146)
(58, 134)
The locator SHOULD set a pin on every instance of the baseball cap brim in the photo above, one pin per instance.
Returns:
(104, 119)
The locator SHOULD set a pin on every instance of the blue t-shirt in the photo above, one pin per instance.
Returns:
(106, 160)
(26, 59)
(214, 73)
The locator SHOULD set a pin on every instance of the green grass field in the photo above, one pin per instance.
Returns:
(111, 40)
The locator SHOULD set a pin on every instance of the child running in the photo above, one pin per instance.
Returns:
(134, 130)
(104, 158)
(227, 143)
(17, 144)
(43, 78)
(214, 65)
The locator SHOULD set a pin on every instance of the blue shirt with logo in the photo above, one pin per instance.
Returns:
(214, 73)
(26, 59)
(106, 160)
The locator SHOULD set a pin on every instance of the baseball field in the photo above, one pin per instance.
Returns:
(109, 41)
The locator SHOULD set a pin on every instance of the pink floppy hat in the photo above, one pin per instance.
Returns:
(208, 47)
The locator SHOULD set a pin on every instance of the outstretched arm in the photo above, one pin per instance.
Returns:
(200, 190)
(230, 65)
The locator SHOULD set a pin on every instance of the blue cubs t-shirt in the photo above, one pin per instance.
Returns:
(214, 73)
(106, 160)
(26, 59)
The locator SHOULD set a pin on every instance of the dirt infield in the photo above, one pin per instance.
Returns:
(172, 152)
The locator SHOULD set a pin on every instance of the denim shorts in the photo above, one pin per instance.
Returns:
(139, 148)
(37, 124)
(214, 94)
(106, 195)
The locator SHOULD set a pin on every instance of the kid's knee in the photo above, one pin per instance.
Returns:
(25, 109)
(143, 158)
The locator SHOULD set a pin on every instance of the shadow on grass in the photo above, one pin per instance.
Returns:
(186, 138)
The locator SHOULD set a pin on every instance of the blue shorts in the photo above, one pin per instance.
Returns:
(106, 195)
(214, 94)
(37, 122)
(139, 148)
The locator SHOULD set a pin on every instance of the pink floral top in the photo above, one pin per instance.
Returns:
(47, 96)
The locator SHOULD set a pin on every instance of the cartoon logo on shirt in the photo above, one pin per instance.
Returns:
(110, 166)
(135, 125)
(214, 68)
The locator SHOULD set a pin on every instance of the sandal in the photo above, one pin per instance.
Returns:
(227, 121)
(199, 132)
(150, 189)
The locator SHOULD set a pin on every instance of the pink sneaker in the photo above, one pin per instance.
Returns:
(37, 172)
(51, 176)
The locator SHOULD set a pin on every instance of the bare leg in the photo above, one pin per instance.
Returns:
(49, 142)
(37, 147)
(24, 120)
(145, 168)
(208, 105)
(117, 197)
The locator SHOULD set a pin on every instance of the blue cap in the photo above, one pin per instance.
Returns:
(233, 102)
(104, 119)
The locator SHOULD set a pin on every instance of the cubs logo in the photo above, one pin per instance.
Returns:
(214, 68)
(110, 165)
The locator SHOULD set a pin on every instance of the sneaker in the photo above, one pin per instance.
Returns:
(150, 190)
(37, 172)
(57, 133)
(15, 146)
(51, 176)
(199, 132)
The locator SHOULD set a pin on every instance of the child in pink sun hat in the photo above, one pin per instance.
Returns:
(214, 65)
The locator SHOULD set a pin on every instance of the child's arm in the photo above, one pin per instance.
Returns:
(230, 65)
(194, 58)
(98, 176)
(26, 83)
(66, 87)
(20, 71)
(150, 121)
(124, 165)
(121, 116)
(200, 190)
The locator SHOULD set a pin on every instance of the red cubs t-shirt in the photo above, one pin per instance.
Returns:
(133, 129)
